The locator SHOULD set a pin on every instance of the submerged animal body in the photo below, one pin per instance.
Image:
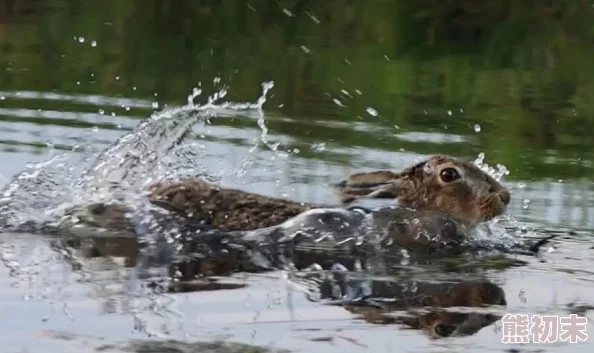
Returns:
(459, 190)
(439, 199)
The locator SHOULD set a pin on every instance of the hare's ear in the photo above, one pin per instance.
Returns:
(376, 185)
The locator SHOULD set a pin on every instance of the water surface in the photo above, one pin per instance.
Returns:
(357, 86)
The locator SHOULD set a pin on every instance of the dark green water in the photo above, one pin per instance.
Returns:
(357, 85)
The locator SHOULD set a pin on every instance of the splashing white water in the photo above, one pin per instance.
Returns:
(152, 152)
(497, 173)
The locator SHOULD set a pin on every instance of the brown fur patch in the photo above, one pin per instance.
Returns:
(471, 199)
(223, 208)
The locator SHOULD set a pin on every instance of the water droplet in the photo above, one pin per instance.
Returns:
(318, 146)
(117, 78)
(305, 49)
(155, 105)
(477, 128)
(371, 111)
(101, 111)
(275, 146)
(358, 92)
(386, 57)
(405, 260)
(93, 43)
(113, 114)
(397, 127)
(525, 203)
(134, 88)
(81, 39)
(449, 112)
(127, 108)
(49, 143)
(95, 129)
(313, 18)
(78, 83)
(288, 13)
(2, 98)
(338, 102)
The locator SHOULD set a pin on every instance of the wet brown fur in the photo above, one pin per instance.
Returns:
(475, 197)
(223, 208)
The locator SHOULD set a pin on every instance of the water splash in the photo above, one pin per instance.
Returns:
(497, 173)
(266, 86)
(153, 151)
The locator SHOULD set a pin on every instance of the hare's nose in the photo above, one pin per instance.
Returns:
(505, 196)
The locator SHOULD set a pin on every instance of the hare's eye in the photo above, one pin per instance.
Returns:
(449, 174)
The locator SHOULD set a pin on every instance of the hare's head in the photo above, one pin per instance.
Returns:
(457, 188)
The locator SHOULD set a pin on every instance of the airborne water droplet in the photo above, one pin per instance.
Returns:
(81, 39)
(318, 146)
(338, 102)
(93, 43)
(477, 128)
(155, 105)
(371, 111)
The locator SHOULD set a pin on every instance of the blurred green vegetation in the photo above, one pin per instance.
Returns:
(520, 69)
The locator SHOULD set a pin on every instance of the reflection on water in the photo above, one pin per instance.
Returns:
(357, 86)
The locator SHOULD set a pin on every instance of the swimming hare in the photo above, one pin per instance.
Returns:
(436, 193)
(440, 198)
(457, 188)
